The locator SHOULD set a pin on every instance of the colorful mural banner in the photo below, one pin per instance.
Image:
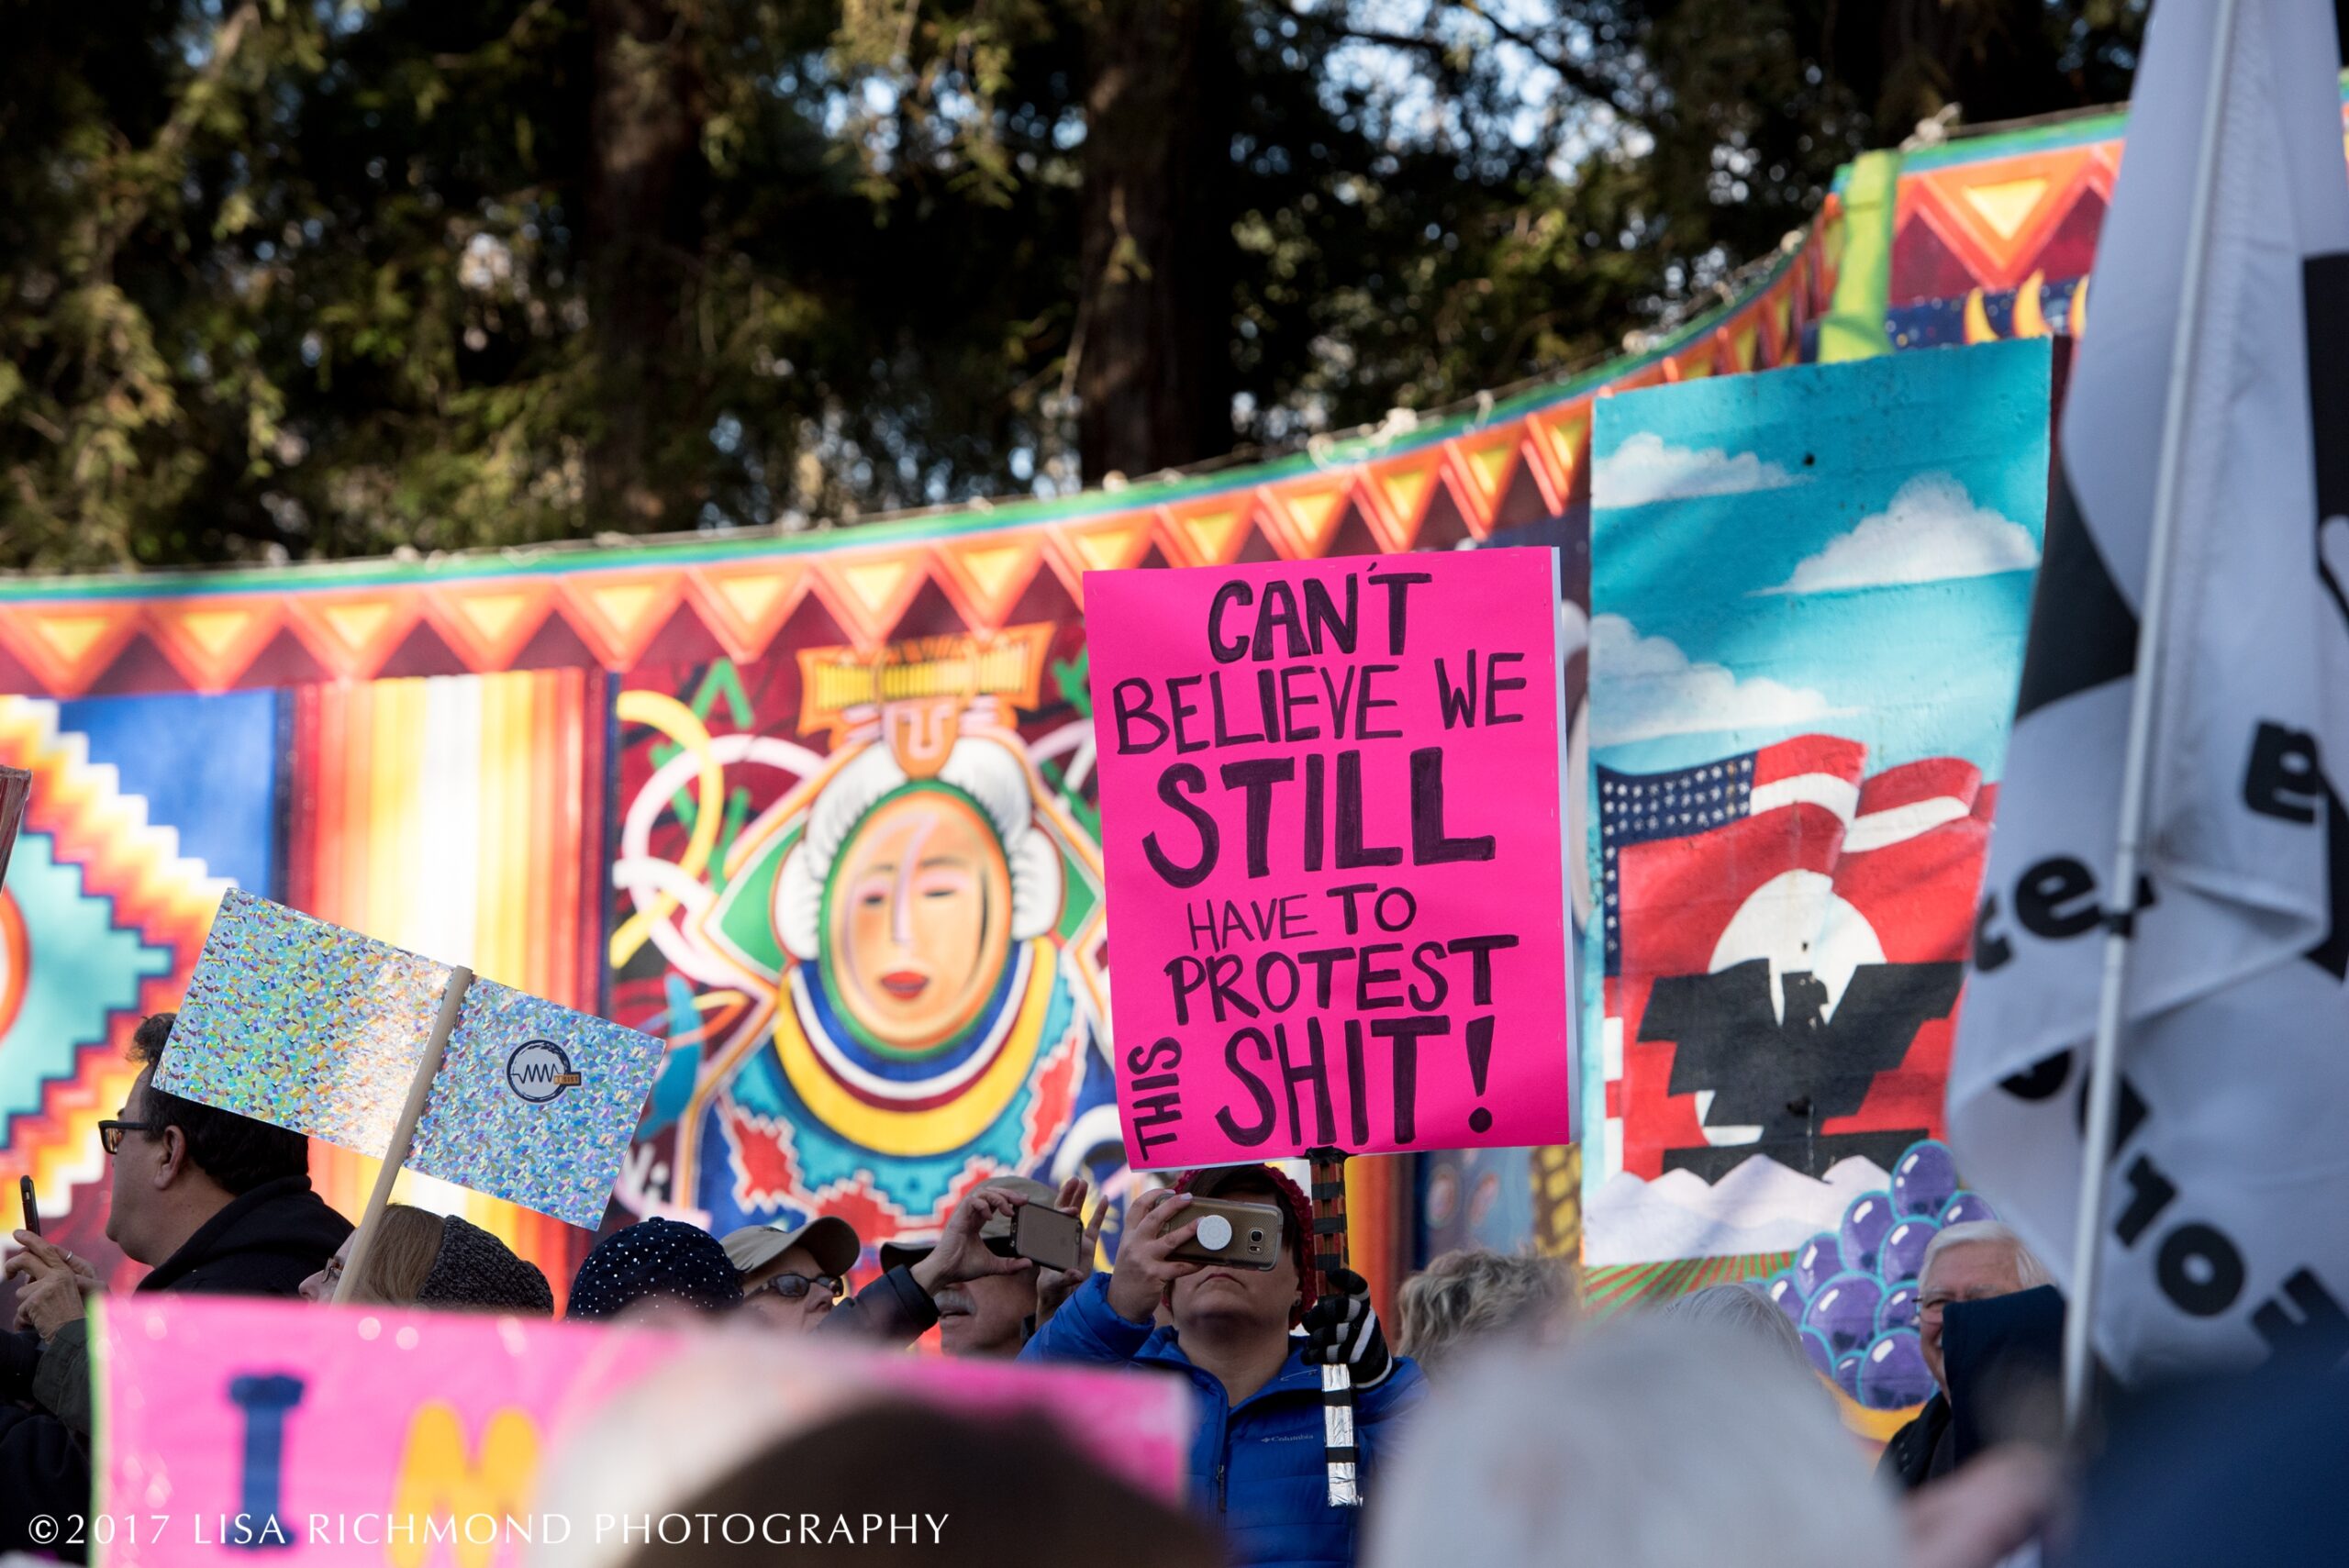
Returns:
(469, 756)
(325, 1434)
(303, 1024)
(1334, 827)
(1810, 591)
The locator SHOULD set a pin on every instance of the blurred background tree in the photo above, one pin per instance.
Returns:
(287, 278)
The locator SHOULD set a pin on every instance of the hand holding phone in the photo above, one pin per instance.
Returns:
(1054, 1239)
(1232, 1234)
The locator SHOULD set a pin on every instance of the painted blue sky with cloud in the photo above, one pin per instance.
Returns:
(1838, 548)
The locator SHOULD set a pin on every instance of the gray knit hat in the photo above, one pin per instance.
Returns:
(474, 1269)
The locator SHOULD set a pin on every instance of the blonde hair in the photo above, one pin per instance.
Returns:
(1476, 1294)
(406, 1241)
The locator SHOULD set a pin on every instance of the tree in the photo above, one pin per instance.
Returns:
(294, 281)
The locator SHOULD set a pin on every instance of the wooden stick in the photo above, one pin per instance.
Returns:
(420, 1090)
(1337, 1447)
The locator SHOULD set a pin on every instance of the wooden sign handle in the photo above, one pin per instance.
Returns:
(419, 1091)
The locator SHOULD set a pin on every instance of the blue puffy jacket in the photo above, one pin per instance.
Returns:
(1256, 1467)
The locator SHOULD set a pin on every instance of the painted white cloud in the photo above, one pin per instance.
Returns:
(1652, 688)
(1931, 532)
(1760, 1207)
(1649, 468)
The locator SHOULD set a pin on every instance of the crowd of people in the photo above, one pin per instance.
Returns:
(1498, 1425)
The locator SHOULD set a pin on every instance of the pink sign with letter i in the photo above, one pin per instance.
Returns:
(1331, 813)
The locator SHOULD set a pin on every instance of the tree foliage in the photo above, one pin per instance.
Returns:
(289, 279)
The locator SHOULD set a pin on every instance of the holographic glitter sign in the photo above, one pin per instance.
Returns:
(295, 1022)
(302, 1024)
(535, 1103)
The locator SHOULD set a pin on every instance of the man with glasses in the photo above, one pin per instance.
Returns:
(996, 1314)
(212, 1202)
(792, 1276)
(1977, 1261)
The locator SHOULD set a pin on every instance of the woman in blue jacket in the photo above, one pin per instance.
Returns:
(1257, 1467)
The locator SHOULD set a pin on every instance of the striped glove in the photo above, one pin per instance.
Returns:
(1343, 1329)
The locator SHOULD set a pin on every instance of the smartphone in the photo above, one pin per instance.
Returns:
(1237, 1235)
(32, 1210)
(1054, 1239)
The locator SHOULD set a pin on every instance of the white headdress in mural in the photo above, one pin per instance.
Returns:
(985, 770)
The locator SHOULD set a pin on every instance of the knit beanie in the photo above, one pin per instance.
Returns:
(662, 1261)
(474, 1268)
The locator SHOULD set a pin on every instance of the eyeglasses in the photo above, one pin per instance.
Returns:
(791, 1288)
(110, 1133)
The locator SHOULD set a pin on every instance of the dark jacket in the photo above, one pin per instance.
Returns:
(2002, 1356)
(265, 1242)
(1907, 1462)
(1257, 1468)
(892, 1310)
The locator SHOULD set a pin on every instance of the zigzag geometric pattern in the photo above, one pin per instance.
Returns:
(1994, 233)
(166, 899)
(673, 602)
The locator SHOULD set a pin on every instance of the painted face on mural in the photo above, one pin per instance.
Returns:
(919, 918)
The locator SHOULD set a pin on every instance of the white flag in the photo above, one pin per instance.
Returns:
(2228, 1212)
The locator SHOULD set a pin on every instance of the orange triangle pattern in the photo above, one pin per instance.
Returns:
(616, 614)
(1559, 446)
(745, 606)
(1997, 215)
(68, 644)
(1479, 468)
(1208, 532)
(986, 577)
(1098, 544)
(867, 592)
(212, 640)
(1395, 495)
(618, 609)
(353, 633)
(488, 623)
(1305, 513)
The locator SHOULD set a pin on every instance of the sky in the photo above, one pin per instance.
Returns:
(1845, 549)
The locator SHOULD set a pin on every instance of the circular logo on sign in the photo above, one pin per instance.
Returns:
(539, 1071)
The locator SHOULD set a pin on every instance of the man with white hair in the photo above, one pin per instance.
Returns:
(1649, 1442)
(1974, 1262)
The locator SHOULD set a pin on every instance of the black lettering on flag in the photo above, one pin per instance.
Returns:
(2324, 299)
(2318, 1335)
(2082, 632)
(2331, 955)
(2042, 1080)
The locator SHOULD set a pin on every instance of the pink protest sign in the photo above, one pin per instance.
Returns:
(352, 1433)
(1334, 828)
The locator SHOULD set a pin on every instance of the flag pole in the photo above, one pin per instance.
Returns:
(419, 1091)
(2120, 918)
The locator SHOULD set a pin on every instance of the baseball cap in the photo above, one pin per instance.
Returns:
(905, 1253)
(831, 1241)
